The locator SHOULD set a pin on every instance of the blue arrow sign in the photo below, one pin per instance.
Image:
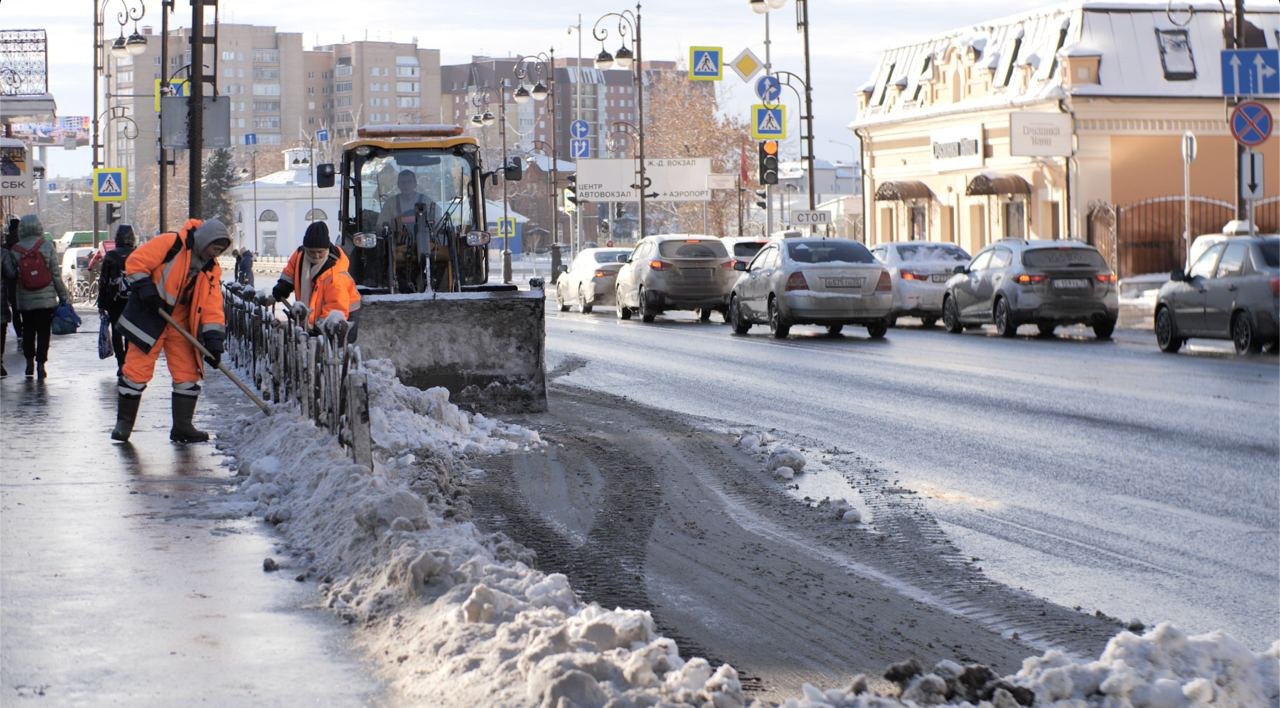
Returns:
(768, 89)
(52, 186)
(579, 148)
(322, 135)
(250, 138)
(579, 129)
(1251, 72)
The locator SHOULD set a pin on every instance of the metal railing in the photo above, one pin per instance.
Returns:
(318, 369)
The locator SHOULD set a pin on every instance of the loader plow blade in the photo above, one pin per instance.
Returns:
(487, 348)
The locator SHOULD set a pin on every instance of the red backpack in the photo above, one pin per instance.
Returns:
(33, 272)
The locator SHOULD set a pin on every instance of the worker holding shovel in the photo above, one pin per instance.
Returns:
(174, 295)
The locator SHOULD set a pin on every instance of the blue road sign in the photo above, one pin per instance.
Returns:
(768, 122)
(768, 88)
(109, 185)
(579, 148)
(579, 129)
(51, 186)
(705, 63)
(1251, 72)
(1251, 123)
(322, 135)
(250, 138)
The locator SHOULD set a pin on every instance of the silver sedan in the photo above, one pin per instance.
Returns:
(831, 282)
(920, 271)
(589, 279)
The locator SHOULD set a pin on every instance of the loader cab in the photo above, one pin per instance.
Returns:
(412, 211)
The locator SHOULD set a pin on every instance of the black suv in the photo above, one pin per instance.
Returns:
(1047, 283)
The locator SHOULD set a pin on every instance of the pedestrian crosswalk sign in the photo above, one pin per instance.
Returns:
(768, 122)
(507, 228)
(705, 63)
(110, 185)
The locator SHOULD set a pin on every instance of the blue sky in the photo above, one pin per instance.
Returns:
(844, 40)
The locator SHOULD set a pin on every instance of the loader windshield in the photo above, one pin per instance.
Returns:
(398, 186)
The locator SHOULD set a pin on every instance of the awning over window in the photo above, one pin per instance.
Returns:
(997, 184)
(901, 191)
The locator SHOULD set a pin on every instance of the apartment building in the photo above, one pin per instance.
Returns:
(383, 82)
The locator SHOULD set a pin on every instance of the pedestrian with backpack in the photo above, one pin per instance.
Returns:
(39, 292)
(179, 273)
(112, 293)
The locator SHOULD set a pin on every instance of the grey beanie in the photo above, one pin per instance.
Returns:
(30, 227)
(209, 232)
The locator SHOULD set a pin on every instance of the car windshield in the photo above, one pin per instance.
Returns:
(829, 252)
(1063, 258)
(617, 256)
(1271, 252)
(747, 249)
(932, 252)
(692, 248)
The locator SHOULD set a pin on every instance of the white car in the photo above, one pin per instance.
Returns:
(588, 281)
(920, 271)
(743, 248)
(75, 265)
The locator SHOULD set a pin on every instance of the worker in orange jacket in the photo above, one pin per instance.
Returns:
(319, 271)
(179, 273)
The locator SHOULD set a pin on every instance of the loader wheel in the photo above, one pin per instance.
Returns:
(583, 304)
(624, 312)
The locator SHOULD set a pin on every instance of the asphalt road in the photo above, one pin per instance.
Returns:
(1103, 475)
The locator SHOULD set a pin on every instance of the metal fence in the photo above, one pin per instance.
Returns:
(319, 370)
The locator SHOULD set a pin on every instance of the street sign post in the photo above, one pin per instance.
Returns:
(579, 129)
(746, 64)
(768, 88)
(768, 122)
(250, 138)
(1251, 72)
(1251, 123)
(1188, 156)
(579, 148)
(810, 218)
(110, 184)
(706, 63)
(322, 135)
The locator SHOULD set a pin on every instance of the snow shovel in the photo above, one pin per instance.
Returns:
(221, 367)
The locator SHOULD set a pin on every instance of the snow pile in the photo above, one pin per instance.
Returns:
(783, 461)
(455, 616)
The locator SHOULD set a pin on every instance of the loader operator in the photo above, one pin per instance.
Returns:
(179, 273)
(412, 235)
(319, 271)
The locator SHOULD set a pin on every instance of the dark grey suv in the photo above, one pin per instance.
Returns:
(1046, 283)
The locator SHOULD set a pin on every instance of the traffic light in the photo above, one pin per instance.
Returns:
(571, 192)
(113, 213)
(762, 199)
(618, 210)
(768, 162)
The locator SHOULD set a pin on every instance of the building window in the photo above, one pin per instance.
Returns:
(919, 223)
(268, 215)
(266, 106)
(1013, 59)
(266, 74)
(1175, 55)
(407, 72)
(266, 89)
(342, 87)
(228, 56)
(408, 87)
(316, 215)
(267, 123)
(408, 102)
(266, 56)
(1015, 219)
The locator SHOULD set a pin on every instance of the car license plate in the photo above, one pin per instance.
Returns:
(1071, 283)
(843, 282)
(696, 273)
(939, 277)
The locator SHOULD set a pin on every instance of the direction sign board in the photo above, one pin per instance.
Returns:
(673, 180)
(768, 89)
(1251, 123)
(1251, 172)
(110, 184)
(768, 122)
(322, 135)
(216, 122)
(579, 148)
(1251, 72)
(706, 63)
(810, 218)
(250, 138)
(15, 168)
(746, 64)
(579, 129)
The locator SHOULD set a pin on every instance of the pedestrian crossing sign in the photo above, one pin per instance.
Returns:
(705, 63)
(768, 122)
(507, 228)
(110, 185)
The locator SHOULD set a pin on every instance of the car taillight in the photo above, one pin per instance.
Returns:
(796, 281)
(727, 265)
(908, 275)
(658, 265)
(603, 273)
(1106, 277)
(885, 285)
(1275, 287)
(1027, 279)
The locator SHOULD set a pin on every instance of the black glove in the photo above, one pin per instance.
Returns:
(213, 341)
(281, 291)
(147, 294)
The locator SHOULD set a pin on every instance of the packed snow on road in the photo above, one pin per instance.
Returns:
(456, 616)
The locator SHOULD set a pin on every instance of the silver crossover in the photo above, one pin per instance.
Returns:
(674, 272)
(589, 279)
(832, 282)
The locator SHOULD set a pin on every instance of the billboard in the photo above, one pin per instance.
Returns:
(56, 133)
(15, 169)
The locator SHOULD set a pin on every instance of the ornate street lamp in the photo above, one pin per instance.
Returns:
(543, 64)
(628, 25)
(121, 48)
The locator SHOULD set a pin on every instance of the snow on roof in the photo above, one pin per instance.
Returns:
(1144, 53)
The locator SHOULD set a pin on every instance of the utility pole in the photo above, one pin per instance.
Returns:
(195, 112)
(768, 188)
(162, 185)
(802, 8)
(1239, 40)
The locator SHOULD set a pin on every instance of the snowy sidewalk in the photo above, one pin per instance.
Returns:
(118, 584)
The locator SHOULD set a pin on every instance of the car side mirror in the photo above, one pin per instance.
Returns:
(960, 270)
(739, 265)
(325, 175)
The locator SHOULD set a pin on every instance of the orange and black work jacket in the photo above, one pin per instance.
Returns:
(331, 288)
(166, 260)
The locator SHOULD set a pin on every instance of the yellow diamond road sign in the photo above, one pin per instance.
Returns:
(746, 65)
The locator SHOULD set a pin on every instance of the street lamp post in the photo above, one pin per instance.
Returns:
(544, 63)
(802, 24)
(628, 23)
(253, 177)
(136, 44)
(502, 132)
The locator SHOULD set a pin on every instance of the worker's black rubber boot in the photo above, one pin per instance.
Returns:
(126, 414)
(184, 408)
